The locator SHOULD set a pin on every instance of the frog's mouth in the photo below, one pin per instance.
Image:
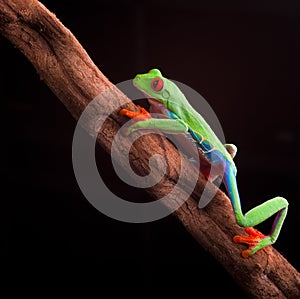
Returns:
(153, 101)
(150, 99)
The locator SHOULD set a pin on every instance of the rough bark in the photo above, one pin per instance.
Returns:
(69, 72)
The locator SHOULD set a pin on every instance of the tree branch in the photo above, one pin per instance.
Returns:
(70, 73)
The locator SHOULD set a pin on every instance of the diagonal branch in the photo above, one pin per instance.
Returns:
(70, 73)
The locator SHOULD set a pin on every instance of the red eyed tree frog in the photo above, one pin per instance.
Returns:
(166, 98)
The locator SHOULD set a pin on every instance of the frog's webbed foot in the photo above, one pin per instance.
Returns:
(137, 116)
(255, 239)
(143, 114)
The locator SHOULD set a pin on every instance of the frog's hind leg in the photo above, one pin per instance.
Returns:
(255, 239)
(255, 216)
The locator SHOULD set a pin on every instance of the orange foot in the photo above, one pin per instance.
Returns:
(143, 114)
(253, 239)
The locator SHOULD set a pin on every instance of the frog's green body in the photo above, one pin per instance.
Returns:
(180, 117)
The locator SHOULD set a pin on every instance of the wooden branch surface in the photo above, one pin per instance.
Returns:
(73, 77)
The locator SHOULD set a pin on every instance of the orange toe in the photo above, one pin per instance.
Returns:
(128, 113)
(253, 238)
(254, 232)
(140, 115)
(252, 241)
(246, 253)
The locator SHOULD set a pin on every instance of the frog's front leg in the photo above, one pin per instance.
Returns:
(145, 121)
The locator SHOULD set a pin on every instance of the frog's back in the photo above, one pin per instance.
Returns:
(202, 133)
(199, 129)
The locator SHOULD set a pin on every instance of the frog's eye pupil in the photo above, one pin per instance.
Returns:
(157, 84)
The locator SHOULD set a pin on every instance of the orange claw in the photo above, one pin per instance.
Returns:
(253, 238)
(141, 115)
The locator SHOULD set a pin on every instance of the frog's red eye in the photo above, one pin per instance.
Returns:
(157, 84)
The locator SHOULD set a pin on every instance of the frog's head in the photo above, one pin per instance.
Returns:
(152, 84)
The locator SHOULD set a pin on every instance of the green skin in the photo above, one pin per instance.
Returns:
(187, 120)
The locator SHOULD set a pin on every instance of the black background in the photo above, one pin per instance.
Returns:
(242, 58)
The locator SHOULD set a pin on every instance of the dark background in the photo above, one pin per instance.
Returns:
(242, 58)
